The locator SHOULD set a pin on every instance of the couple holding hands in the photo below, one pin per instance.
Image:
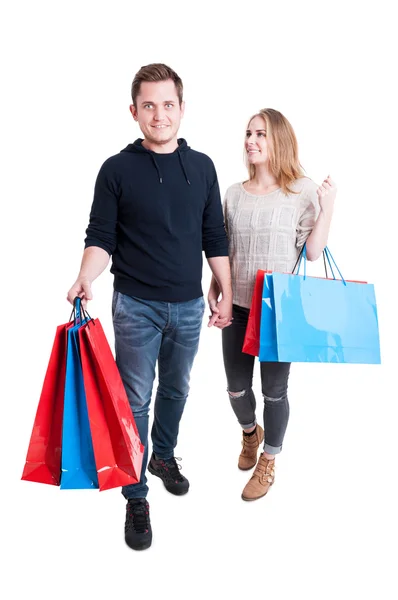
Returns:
(156, 208)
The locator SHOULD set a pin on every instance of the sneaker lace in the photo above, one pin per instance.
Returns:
(173, 469)
(138, 516)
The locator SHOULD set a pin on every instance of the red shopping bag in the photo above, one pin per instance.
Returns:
(43, 460)
(117, 447)
(251, 343)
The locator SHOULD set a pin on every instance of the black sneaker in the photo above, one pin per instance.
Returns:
(137, 529)
(169, 473)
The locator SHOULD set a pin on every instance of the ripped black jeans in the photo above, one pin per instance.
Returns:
(274, 380)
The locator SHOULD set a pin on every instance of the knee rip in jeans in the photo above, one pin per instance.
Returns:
(236, 394)
(269, 399)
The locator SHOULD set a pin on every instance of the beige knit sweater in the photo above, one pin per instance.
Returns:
(266, 232)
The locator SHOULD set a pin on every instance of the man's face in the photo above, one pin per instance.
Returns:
(158, 111)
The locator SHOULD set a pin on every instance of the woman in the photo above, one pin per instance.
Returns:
(268, 219)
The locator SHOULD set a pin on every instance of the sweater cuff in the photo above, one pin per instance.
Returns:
(214, 252)
(98, 244)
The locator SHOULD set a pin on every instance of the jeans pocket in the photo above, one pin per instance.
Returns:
(116, 304)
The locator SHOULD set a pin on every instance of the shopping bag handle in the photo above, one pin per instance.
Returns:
(329, 258)
(77, 305)
(79, 313)
(298, 262)
(76, 311)
(86, 316)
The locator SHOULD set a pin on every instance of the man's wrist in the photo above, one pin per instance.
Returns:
(83, 277)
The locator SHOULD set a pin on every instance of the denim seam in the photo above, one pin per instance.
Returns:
(167, 326)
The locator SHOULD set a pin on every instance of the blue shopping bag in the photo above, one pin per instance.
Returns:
(310, 319)
(268, 341)
(78, 470)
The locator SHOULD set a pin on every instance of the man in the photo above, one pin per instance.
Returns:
(156, 207)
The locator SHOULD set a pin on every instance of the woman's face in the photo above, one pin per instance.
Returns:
(256, 144)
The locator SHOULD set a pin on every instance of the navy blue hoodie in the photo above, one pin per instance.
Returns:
(154, 214)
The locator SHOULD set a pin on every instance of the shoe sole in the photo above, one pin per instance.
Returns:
(170, 491)
(253, 499)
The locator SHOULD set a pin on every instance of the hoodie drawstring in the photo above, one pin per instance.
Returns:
(157, 167)
(151, 154)
(183, 167)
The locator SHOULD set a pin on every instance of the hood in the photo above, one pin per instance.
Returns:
(182, 149)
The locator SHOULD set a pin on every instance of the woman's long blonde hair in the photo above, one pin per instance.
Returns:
(283, 149)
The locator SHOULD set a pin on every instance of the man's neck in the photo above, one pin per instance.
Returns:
(167, 148)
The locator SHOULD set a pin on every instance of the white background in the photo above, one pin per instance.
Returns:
(328, 528)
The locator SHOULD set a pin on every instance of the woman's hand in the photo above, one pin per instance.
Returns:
(327, 194)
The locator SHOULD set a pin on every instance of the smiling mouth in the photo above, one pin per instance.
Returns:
(159, 126)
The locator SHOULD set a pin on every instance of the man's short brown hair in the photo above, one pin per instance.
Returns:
(155, 72)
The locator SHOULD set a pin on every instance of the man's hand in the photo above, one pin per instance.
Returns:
(221, 312)
(81, 288)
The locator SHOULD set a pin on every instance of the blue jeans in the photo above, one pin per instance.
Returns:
(147, 331)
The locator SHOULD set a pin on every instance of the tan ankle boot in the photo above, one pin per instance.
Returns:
(250, 444)
(261, 480)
